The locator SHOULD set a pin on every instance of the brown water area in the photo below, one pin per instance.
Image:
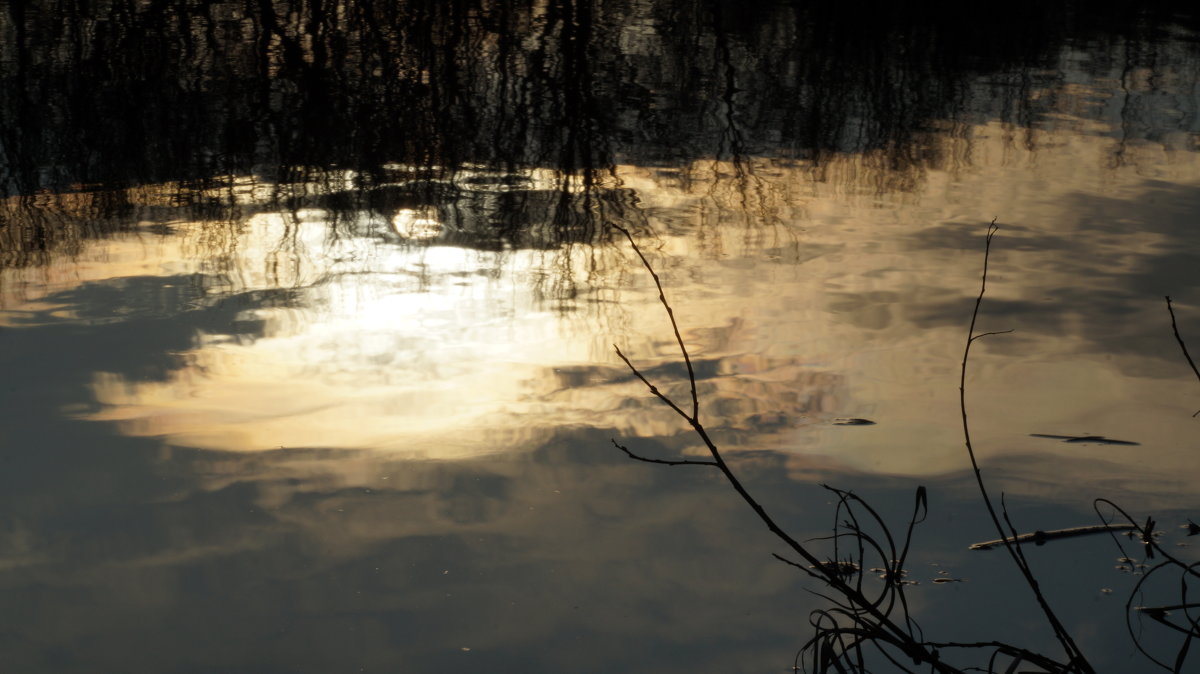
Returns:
(308, 313)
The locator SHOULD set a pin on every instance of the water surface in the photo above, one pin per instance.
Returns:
(308, 314)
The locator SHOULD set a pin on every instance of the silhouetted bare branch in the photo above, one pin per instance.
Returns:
(665, 462)
(1182, 344)
(1075, 657)
(863, 617)
(662, 298)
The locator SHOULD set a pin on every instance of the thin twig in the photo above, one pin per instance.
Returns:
(1182, 345)
(662, 297)
(1007, 649)
(665, 462)
(653, 389)
(1074, 655)
(994, 332)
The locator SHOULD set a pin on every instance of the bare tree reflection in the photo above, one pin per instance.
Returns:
(121, 93)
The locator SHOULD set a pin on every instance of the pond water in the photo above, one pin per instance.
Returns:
(308, 314)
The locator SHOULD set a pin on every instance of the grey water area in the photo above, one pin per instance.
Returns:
(308, 314)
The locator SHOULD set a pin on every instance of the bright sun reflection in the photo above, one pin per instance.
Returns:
(416, 224)
(410, 348)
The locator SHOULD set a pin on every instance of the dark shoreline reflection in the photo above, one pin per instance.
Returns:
(120, 94)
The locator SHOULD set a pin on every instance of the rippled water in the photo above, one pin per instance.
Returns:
(318, 372)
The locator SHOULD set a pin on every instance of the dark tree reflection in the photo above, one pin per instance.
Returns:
(132, 92)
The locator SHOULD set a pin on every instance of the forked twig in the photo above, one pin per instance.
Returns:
(665, 462)
(662, 298)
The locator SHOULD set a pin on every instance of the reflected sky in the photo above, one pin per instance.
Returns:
(823, 299)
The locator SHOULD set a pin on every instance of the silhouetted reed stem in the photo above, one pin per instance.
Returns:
(1182, 344)
(1008, 535)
